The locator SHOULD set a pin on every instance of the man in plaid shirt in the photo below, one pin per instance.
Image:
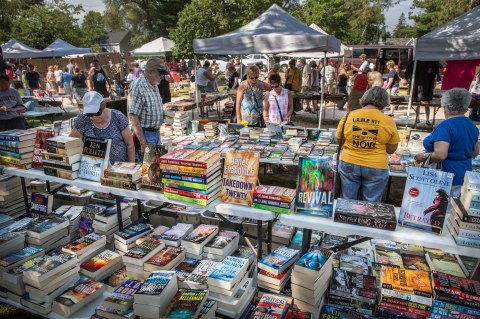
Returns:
(145, 106)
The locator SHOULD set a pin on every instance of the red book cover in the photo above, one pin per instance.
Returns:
(99, 261)
(272, 306)
(165, 256)
(458, 287)
(185, 193)
(275, 193)
(404, 309)
(40, 145)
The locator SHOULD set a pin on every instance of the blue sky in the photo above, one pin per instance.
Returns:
(391, 16)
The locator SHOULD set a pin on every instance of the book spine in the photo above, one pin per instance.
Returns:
(67, 167)
(59, 173)
(118, 176)
(275, 203)
(469, 242)
(185, 193)
(202, 179)
(11, 160)
(9, 138)
(10, 154)
(404, 309)
(468, 233)
(56, 158)
(183, 169)
(449, 299)
(183, 163)
(471, 219)
(272, 208)
(56, 150)
(406, 296)
(388, 312)
(19, 166)
(55, 144)
(452, 307)
(184, 184)
(365, 221)
(9, 144)
(473, 212)
(272, 197)
(405, 303)
(119, 184)
(201, 202)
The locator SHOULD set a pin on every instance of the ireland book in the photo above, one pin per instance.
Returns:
(240, 174)
(95, 158)
(315, 186)
(374, 215)
(41, 145)
(151, 172)
(425, 199)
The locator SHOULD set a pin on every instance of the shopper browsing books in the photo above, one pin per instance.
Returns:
(454, 141)
(98, 121)
(11, 106)
(368, 136)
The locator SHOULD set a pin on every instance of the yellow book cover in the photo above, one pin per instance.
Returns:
(240, 174)
(406, 281)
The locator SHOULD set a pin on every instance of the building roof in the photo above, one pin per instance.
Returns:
(398, 41)
(114, 37)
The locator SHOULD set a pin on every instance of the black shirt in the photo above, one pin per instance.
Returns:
(79, 81)
(231, 79)
(33, 79)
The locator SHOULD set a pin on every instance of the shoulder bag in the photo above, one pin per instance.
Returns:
(338, 183)
(280, 112)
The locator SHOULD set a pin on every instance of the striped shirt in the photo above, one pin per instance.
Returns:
(273, 114)
(145, 101)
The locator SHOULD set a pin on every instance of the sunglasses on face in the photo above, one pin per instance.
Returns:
(274, 85)
(254, 78)
(90, 115)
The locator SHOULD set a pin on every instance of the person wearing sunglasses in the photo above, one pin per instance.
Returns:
(249, 103)
(98, 121)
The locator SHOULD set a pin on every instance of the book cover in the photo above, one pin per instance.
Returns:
(41, 226)
(25, 266)
(200, 274)
(374, 215)
(88, 216)
(354, 264)
(165, 256)
(156, 282)
(23, 254)
(279, 257)
(272, 306)
(18, 226)
(229, 269)
(40, 145)
(458, 287)
(41, 204)
(185, 268)
(101, 260)
(158, 232)
(177, 232)
(123, 171)
(314, 259)
(415, 141)
(330, 241)
(425, 199)
(151, 171)
(240, 174)
(199, 234)
(81, 243)
(388, 256)
(415, 262)
(411, 282)
(78, 293)
(123, 294)
(315, 186)
(186, 304)
(350, 283)
(444, 262)
(133, 231)
(222, 240)
(50, 262)
(142, 250)
(119, 277)
(95, 157)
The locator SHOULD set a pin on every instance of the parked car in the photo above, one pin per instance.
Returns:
(220, 60)
(263, 61)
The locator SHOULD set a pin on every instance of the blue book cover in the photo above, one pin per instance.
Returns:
(42, 226)
(314, 259)
(279, 257)
(298, 238)
(156, 282)
(229, 269)
(315, 186)
(448, 309)
(20, 255)
(18, 226)
(425, 199)
(88, 216)
(123, 294)
(184, 178)
(133, 231)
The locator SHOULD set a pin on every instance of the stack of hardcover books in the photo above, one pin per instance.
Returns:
(273, 198)
(138, 255)
(120, 303)
(16, 148)
(166, 259)
(49, 278)
(125, 239)
(175, 235)
(77, 297)
(211, 129)
(48, 233)
(374, 215)
(275, 268)
(101, 265)
(73, 214)
(180, 123)
(222, 245)
(191, 176)
(455, 297)
(86, 247)
(405, 292)
(310, 277)
(123, 175)
(62, 157)
(197, 239)
(11, 196)
(106, 221)
(153, 297)
(463, 224)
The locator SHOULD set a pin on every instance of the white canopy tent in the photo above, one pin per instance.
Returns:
(60, 47)
(156, 47)
(344, 50)
(274, 31)
(15, 49)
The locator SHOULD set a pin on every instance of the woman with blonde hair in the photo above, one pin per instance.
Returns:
(58, 73)
(374, 79)
(249, 103)
(50, 80)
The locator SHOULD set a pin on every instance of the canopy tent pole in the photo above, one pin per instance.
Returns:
(411, 92)
(196, 80)
(322, 90)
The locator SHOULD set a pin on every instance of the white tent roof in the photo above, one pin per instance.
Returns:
(60, 47)
(155, 47)
(458, 39)
(274, 31)
(15, 49)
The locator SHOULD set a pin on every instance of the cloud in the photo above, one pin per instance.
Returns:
(88, 5)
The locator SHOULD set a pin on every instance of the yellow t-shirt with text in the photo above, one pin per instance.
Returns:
(367, 132)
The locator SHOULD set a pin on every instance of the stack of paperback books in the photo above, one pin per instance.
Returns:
(86, 247)
(120, 303)
(282, 235)
(11, 196)
(123, 175)
(166, 130)
(455, 297)
(405, 292)
(197, 239)
(191, 176)
(73, 214)
(211, 129)
(222, 245)
(62, 157)
(125, 239)
(48, 233)
(153, 297)
(275, 267)
(187, 303)
(101, 265)
(175, 235)
(228, 276)
(16, 148)
(272, 306)
(197, 279)
(138, 255)
(43, 133)
(166, 259)
(10, 242)
(106, 221)
(77, 297)
(273, 198)
(180, 123)
(49, 278)
(310, 277)
(12, 280)
(463, 224)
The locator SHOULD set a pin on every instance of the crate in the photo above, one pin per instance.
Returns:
(65, 198)
(190, 218)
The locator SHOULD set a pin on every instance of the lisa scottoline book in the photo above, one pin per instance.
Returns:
(315, 186)
(425, 200)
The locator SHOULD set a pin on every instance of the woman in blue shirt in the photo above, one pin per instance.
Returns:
(454, 141)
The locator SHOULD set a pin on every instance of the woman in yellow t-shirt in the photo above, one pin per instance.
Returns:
(368, 136)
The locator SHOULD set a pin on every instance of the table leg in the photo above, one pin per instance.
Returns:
(307, 238)
(119, 213)
(48, 186)
(25, 196)
(417, 114)
(140, 211)
(269, 247)
(259, 239)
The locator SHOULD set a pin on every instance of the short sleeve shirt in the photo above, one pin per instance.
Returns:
(79, 81)
(306, 72)
(396, 80)
(144, 100)
(462, 136)
(367, 133)
(10, 98)
(33, 79)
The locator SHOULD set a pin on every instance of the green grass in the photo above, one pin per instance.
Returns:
(10, 312)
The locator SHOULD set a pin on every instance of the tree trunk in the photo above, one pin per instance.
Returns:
(146, 8)
(474, 3)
